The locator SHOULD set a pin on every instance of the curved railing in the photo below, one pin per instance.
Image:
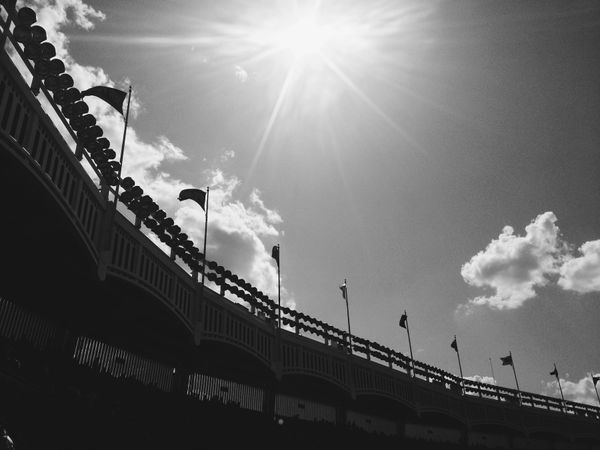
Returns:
(178, 289)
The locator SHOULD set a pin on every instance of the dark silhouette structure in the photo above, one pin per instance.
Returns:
(106, 342)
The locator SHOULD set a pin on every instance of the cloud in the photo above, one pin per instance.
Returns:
(482, 379)
(238, 229)
(513, 266)
(582, 274)
(241, 74)
(237, 232)
(227, 155)
(54, 14)
(581, 391)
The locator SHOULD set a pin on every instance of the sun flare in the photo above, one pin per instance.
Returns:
(307, 61)
(303, 38)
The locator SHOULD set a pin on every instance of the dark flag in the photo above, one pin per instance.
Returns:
(198, 195)
(595, 379)
(506, 360)
(554, 372)
(114, 97)
(403, 319)
(275, 254)
(454, 345)
(344, 290)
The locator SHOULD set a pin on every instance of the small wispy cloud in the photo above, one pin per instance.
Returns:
(241, 74)
(227, 155)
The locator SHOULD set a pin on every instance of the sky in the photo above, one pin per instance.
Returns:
(441, 156)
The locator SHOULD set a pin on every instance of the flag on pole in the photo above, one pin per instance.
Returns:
(454, 345)
(344, 289)
(198, 195)
(506, 360)
(595, 379)
(403, 319)
(275, 254)
(554, 372)
(114, 97)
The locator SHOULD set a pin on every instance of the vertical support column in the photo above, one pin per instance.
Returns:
(180, 380)
(199, 313)
(340, 415)
(269, 401)
(105, 234)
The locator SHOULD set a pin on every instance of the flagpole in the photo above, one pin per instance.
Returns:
(459, 364)
(412, 359)
(112, 210)
(122, 150)
(595, 388)
(279, 285)
(559, 386)
(515, 372)
(348, 315)
(205, 232)
(492, 367)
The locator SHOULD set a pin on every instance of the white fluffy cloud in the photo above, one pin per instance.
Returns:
(236, 228)
(237, 232)
(512, 266)
(482, 379)
(581, 391)
(582, 273)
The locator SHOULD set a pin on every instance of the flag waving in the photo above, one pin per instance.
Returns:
(554, 372)
(114, 97)
(344, 289)
(506, 360)
(454, 345)
(275, 254)
(198, 195)
(403, 319)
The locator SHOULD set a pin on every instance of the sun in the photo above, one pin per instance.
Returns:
(305, 61)
(304, 37)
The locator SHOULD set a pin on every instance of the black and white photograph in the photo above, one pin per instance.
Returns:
(300, 224)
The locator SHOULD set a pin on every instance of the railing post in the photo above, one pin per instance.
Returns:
(31, 132)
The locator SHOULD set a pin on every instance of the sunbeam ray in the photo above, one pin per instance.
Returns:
(273, 117)
(365, 98)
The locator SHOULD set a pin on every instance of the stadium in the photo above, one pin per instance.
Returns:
(109, 342)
